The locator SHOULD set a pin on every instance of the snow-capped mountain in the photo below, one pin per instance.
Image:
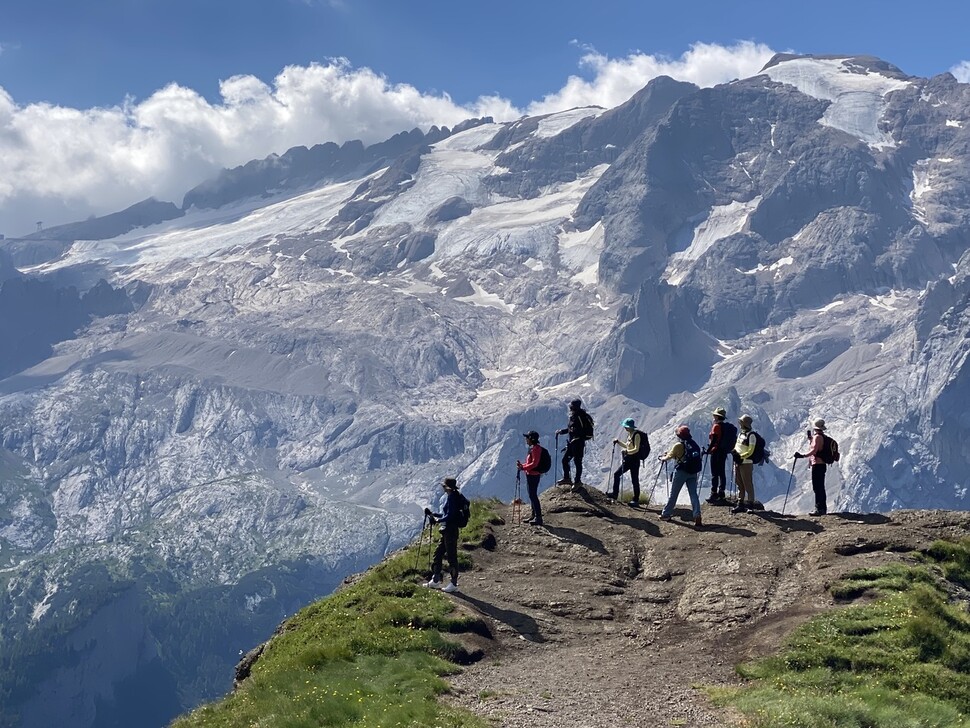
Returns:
(312, 341)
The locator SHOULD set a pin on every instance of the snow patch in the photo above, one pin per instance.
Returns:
(954, 123)
(481, 297)
(558, 123)
(773, 268)
(580, 251)
(721, 222)
(829, 306)
(858, 98)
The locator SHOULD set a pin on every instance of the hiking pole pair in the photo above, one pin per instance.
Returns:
(656, 480)
(425, 526)
(609, 486)
(790, 478)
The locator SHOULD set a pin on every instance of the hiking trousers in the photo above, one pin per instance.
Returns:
(682, 478)
(447, 546)
(532, 483)
(818, 485)
(718, 475)
(633, 465)
(744, 477)
(575, 450)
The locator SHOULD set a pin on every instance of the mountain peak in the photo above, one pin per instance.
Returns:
(859, 63)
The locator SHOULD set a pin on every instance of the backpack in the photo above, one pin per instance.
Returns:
(585, 424)
(729, 438)
(545, 460)
(830, 450)
(760, 454)
(644, 452)
(691, 462)
(464, 511)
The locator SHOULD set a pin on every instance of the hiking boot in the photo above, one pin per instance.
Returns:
(434, 584)
(817, 513)
(612, 496)
(565, 481)
(450, 588)
(739, 508)
(697, 521)
(665, 518)
(713, 499)
(720, 495)
(536, 522)
(634, 504)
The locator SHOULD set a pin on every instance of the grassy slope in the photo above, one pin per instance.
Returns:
(373, 654)
(901, 661)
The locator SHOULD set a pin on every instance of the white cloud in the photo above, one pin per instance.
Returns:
(59, 164)
(962, 71)
(614, 80)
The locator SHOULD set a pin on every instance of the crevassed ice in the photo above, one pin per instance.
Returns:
(858, 99)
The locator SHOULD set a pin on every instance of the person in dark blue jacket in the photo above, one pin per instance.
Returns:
(449, 527)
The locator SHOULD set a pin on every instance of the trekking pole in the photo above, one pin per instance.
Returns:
(790, 478)
(555, 463)
(655, 481)
(517, 500)
(703, 467)
(608, 488)
(668, 477)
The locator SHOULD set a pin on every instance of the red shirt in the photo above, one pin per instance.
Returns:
(715, 436)
(532, 461)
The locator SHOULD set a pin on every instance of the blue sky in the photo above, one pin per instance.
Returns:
(103, 103)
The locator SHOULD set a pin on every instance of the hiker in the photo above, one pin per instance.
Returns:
(687, 454)
(721, 441)
(631, 460)
(744, 465)
(817, 465)
(579, 429)
(449, 521)
(533, 473)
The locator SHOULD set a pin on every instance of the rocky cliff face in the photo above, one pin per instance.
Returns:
(322, 336)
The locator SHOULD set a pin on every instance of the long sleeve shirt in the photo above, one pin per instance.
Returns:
(815, 454)
(714, 438)
(745, 445)
(676, 452)
(632, 445)
(532, 460)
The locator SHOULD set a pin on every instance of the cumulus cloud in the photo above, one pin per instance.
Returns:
(614, 80)
(59, 164)
(962, 71)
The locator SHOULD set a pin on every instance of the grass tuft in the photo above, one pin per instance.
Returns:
(898, 662)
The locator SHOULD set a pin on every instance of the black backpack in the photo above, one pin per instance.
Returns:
(830, 450)
(545, 461)
(691, 462)
(464, 511)
(729, 438)
(760, 454)
(585, 424)
(644, 452)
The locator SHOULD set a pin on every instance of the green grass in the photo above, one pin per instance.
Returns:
(901, 661)
(372, 655)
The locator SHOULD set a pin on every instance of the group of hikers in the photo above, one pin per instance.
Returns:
(743, 444)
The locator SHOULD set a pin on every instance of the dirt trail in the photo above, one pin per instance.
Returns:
(607, 616)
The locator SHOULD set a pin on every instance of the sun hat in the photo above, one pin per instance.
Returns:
(629, 423)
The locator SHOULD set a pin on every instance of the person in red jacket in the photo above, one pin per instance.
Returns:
(817, 466)
(532, 475)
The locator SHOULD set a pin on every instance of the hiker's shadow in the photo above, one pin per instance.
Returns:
(790, 523)
(684, 518)
(605, 509)
(870, 519)
(523, 624)
(571, 535)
